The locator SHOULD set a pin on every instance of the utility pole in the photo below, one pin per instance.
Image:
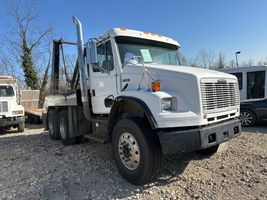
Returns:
(238, 52)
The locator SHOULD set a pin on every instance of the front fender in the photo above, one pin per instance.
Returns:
(129, 106)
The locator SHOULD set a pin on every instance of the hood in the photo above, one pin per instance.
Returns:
(198, 73)
(182, 72)
(169, 73)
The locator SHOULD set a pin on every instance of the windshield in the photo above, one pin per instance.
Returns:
(6, 91)
(132, 50)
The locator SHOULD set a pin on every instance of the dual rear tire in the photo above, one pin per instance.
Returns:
(58, 126)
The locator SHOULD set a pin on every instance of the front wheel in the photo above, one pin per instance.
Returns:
(247, 118)
(21, 127)
(136, 151)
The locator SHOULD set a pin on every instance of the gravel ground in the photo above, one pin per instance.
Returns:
(35, 167)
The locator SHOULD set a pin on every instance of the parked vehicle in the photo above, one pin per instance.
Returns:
(252, 81)
(11, 114)
(253, 112)
(130, 88)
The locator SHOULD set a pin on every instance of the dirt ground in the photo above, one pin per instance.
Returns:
(32, 166)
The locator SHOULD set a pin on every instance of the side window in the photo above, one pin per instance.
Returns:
(105, 57)
(109, 65)
(239, 77)
(255, 84)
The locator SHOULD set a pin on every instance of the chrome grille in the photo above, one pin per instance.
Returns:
(216, 95)
(3, 106)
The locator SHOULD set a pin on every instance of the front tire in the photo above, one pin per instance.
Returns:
(21, 127)
(64, 133)
(136, 151)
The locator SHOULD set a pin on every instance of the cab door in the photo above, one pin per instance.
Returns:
(103, 79)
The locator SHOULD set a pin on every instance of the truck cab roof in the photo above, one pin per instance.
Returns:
(115, 32)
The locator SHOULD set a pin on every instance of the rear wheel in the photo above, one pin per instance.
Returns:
(247, 118)
(21, 127)
(136, 151)
(52, 123)
(64, 133)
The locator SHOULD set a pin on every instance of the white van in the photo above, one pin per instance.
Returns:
(252, 81)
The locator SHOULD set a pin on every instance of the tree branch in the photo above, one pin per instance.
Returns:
(40, 38)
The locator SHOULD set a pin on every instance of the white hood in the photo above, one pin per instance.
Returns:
(180, 81)
(199, 73)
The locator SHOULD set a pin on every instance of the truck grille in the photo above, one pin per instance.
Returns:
(216, 95)
(3, 106)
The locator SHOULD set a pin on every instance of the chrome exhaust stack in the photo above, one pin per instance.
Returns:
(82, 68)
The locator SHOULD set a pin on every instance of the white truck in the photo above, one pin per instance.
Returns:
(130, 89)
(11, 114)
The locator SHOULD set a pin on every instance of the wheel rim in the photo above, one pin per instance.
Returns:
(62, 128)
(246, 118)
(50, 125)
(129, 151)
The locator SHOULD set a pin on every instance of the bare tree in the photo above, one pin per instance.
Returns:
(220, 64)
(205, 58)
(248, 63)
(184, 60)
(232, 63)
(262, 62)
(30, 45)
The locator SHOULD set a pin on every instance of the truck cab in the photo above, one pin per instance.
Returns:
(11, 114)
(131, 88)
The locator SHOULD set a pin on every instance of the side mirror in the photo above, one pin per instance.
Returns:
(92, 52)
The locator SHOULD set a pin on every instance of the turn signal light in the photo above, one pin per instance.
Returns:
(156, 86)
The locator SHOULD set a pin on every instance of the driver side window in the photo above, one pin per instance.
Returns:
(105, 57)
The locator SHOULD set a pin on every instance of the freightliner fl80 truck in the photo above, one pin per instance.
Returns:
(130, 89)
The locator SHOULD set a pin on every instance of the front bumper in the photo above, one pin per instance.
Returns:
(11, 121)
(189, 140)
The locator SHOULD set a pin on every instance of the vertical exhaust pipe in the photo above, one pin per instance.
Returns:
(82, 68)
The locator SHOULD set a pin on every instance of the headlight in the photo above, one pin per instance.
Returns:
(166, 104)
(18, 112)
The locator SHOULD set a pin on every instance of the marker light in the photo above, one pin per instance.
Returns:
(156, 86)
